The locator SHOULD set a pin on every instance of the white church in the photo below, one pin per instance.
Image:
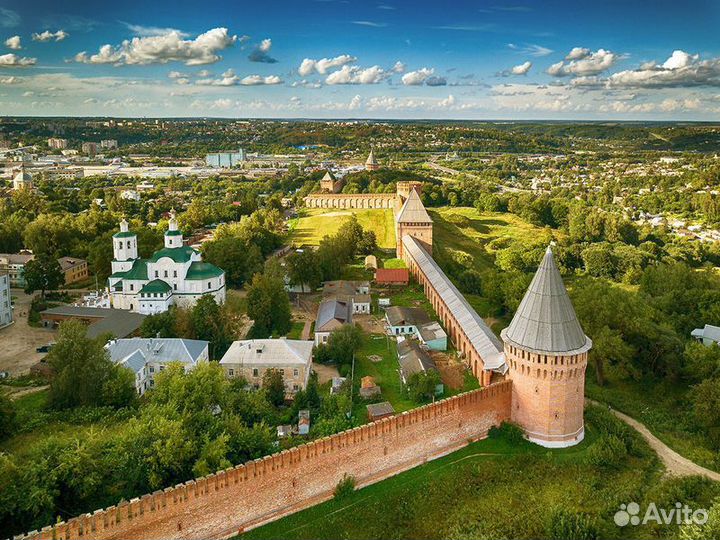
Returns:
(175, 275)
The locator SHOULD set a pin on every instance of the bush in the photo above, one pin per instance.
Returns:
(509, 432)
(607, 452)
(345, 487)
(566, 525)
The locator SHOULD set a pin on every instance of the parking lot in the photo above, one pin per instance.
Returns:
(19, 341)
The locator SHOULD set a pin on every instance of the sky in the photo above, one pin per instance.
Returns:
(551, 59)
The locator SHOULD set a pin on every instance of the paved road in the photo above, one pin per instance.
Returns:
(674, 462)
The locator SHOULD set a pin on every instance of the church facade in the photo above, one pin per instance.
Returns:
(174, 275)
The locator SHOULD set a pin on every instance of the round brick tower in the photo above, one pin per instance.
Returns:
(546, 353)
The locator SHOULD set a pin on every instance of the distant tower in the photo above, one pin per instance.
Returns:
(125, 248)
(329, 184)
(413, 220)
(404, 188)
(546, 352)
(173, 237)
(370, 163)
(22, 180)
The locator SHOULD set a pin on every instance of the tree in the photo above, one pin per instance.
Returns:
(421, 386)
(43, 274)
(304, 270)
(239, 260)
(84, 373)
(210, 326)
(161, 325)
(268, 306)
(7, 416)
(274, 386)
(341, 346)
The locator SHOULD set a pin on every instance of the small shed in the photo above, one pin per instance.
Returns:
(284, 431)
(392, 276)
(378, 411)
(368, 388)
(337, 384)
(371, 262)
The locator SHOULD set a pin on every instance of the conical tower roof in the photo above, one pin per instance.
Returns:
(328, 176)
(371, 158)
(546, 322)
(413, 211)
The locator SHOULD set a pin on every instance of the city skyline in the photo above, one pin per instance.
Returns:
(343, 59)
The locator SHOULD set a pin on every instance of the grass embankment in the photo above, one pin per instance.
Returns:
(664, 409)
(496, 488)
(315, 223)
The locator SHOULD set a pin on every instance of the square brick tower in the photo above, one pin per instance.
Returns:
(546, 352)
(414, 220)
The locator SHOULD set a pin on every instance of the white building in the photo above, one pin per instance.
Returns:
(148, 357)
(130, 195)
(22, 180)
(175, 275)
(108, 144)
(251, 358)
(6, 316)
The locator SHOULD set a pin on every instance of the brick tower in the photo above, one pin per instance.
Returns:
(413, 220)
(546, 352)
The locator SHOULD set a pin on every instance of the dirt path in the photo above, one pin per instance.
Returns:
(305, 334)
(674, 462)
(16, 392)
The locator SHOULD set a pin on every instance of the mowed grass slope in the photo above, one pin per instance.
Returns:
(467, 230)
(315, 223)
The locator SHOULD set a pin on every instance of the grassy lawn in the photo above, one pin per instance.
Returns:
(384, 372)
(663, 408)
(394, 263)
(315, 223)
(296, 330)
(490, 489)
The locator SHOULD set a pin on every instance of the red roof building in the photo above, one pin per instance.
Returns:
(392, 276)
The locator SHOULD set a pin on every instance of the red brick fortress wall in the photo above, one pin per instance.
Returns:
(220, 505)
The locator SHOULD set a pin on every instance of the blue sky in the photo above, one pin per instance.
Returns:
(365, 59)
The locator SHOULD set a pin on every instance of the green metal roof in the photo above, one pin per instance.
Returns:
(138, 270)
(118, 286)
(126, 234)
(179, 254)
(173, 233)
(155, 286)
(202, 270)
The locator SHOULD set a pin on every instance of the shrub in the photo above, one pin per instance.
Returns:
(509, 432)
(345, 487)
(566, 525)
(609, 451)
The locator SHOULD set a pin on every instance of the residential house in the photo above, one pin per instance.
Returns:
(74, 269)
(251, 358)
(407, 321)
(413, 359)
(357, 292)
(148, 357)
(15, 264)
(378, 411)
(6, 313)
(331, 315)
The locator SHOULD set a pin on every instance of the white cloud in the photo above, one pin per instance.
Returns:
(576, 53)
(418, 77)
(399, 67)
(584, 63)
(10, 80)
(13, 60)
(521, 69)
(679, 70)
(228, 78)
(357, 75)
(177, 75)
(265, 45)
(47, 35)
(261, 52)
(532, 49)
(13, 43)
(355, 103)
(146, 31)
(169, 47)
(322, 66)
(254, 80)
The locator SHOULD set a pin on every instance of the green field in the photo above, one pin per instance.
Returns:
(499, 489)
(478, 234)
(315, 223)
